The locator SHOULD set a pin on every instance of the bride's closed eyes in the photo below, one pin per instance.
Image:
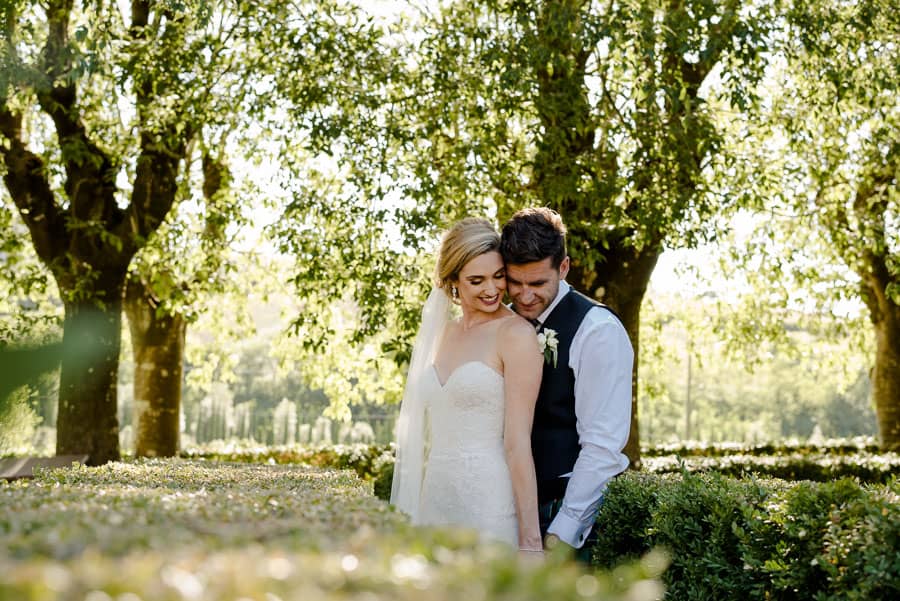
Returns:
(475, 280)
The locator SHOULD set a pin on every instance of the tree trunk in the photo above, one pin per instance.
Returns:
(621, 283)
(158, 336)
(87, 422)
(84, 236)
(877, 277)
(885, 316)
(565, 111)
(157, 340)
(886, 382)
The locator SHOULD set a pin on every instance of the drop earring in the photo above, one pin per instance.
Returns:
(454, 292)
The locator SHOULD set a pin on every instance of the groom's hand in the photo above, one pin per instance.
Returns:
(551, 541)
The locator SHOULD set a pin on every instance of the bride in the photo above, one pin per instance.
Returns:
(464, 431)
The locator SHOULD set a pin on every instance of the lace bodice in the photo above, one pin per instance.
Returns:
(466, 412)
(467, 481)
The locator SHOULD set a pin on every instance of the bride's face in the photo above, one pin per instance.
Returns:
(482, 282)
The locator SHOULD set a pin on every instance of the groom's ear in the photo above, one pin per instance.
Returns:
(564, 268)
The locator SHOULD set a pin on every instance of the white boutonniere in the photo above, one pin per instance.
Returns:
(548, 342)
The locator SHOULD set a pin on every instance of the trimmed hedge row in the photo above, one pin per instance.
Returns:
(750, 538)
(176, 530)
(757, 539)
(165, 504)
(374, 463)
(819, 467)
(367, 460)
(836, 446)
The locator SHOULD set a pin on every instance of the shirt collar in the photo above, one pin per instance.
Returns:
(563, 290)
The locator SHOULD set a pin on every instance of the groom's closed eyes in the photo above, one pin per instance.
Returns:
(531, 284)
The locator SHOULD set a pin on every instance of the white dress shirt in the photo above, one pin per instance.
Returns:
(601, 357)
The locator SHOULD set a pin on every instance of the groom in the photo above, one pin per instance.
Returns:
(583, 412)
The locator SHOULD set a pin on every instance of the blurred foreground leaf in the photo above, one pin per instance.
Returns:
(23, 363)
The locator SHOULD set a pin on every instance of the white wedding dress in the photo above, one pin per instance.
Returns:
(466, 479)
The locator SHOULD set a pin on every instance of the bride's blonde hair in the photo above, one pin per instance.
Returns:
(467, 239)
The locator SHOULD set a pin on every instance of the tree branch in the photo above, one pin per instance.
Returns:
(30, 190)
(155, 182)
(90, 174)
(871, 206)
(26, 176)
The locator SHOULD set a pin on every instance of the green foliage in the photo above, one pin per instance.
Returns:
(120, 107)
(341, 223)
(785, 541)
(826, 178)
(367, 461)
(174, 529)
(17, 422)
(30, 320)
(29, 304)
(24, 365)
(833, 447)
(696, 518)
(842, 459)
(190, 258)
(788, 462)
(596, 111)
(701, 380)
(871, 539)
(384, 482)
(156, 505)
(30, 378)
(625, 517)
(757, 539)
(349, 373)
(821, 467)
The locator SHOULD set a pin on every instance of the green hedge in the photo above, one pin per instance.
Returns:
(838, 446)
(757, 539)
(368, 461)
(729, 538)
(198, 530)
(374, 463)
(819, 467)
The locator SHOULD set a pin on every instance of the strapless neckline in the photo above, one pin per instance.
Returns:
(437, 376)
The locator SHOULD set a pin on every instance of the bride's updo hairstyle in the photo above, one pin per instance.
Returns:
(467, 239)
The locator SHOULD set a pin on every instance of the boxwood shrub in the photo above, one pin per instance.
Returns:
(374, 463)
(188, 530)
(368, 461)
(838, 446)
(820, 467)
(755, 538)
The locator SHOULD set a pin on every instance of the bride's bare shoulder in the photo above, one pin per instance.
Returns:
(515, 326)
(517, 343)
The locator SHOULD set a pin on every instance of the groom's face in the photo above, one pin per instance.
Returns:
(533, 286)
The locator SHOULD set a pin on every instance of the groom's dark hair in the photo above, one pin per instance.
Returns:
(534, 234)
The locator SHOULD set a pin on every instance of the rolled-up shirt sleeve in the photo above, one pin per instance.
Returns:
(601, 356)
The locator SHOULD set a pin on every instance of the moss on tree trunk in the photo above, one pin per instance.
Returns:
(157, 339)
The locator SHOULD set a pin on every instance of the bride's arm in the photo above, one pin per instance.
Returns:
(522, 369)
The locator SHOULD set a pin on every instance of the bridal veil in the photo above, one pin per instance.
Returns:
(409, 466)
